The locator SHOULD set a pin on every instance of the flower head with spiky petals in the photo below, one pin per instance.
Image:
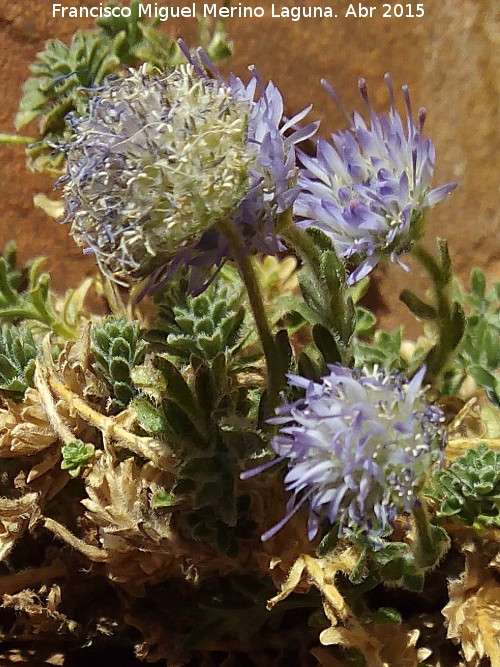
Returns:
(272, 187)
(359, 447)
(162, 158)
(369, 189)
(158, 159)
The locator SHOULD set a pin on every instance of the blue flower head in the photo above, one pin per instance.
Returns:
(157, 160)
(368, 189)
(272, 175)
(162, 157)
(358, 447)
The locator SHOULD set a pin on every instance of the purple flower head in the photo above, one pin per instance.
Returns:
(359, 447)
(162, 157)
(158, 159)
(272, 185)
(367, 190)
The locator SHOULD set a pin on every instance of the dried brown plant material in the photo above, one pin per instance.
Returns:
(275, 557)
(277, 277)
(345, 628)
(74, 367)
(15, 582)
(473, 612)
(15, 515)
(51, 458)
(24, 427)
(398, 648)
(54, 208)
(41, 610)
(467, 427)
(58, 423)
(126, 303)
(399, 645)
(92, 552)
(32, 657)
(112, 428)
(456, 447)
(467, 421)
(140, 542)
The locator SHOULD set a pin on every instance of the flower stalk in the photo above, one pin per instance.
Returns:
(449, 316)
(247, 273)
(331, 292)
(426, 550)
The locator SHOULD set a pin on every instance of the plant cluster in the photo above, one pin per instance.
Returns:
(235, 465)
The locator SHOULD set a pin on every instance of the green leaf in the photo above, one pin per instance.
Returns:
(76, 455)
(328, 543)
(478, 283)
(163, 499)
(150, 418)
(206, 390)
(326, 344)
(116, 347)
(178, 389)
(312, 296)
(387, 615)
(413, 581)
(18, 352)
(418, 307)
(183, 424)
(469, 490)
(308, 368)
(365, 322)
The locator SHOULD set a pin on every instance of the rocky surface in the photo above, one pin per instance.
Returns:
(450, 58)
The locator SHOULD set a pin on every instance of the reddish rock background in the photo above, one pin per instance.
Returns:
(450, 58)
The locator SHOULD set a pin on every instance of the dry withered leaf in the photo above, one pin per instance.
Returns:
(399, 645)
(17, 581)
(32, 657)
(24, 427)
(139, 540)
(158, 641)
(42, 610)
(275, 557)
(473, 612)
(345, 628)
(15, 515)
(112, 428)
(74, 367)
(467, 422)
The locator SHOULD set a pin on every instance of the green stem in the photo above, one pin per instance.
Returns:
(331, 297)
(247, 272)
(425, 550)
(61, 329)
(16, 140)
(302, 243)
(447, 343)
